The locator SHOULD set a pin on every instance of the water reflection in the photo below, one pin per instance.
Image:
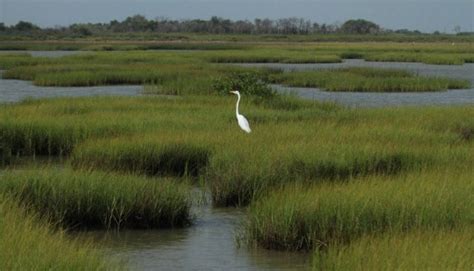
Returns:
(208, 245)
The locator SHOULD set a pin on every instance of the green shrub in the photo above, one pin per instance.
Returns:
(246, 83)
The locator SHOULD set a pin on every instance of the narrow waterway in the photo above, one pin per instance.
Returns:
(209, 244)
(465, 71)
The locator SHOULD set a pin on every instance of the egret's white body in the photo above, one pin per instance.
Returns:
(241, 120)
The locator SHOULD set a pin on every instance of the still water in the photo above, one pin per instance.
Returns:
(207, 245)
(17, 90)
(365, 99)
(465, 71)
(374, 99)
(52, 54)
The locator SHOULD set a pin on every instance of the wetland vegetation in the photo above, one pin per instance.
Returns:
(340, 182)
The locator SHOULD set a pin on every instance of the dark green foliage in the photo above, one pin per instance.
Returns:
(360, 26)
(247, 83)
(351, 55)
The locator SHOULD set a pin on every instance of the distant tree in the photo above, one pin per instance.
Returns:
(316, 28)
(216, 25)
(136, 23)
(323, 29)
(457, 29)
(268, 26)
(360, 26)
(81, 29)
(25, 26)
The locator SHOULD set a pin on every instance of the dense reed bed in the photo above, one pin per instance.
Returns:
(98, 200)
(300, 217)
(292, 140)
(368, 80)
(30, 243)
(418, 250)
(149, 155)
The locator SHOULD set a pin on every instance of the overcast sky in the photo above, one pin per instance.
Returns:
(424, 15)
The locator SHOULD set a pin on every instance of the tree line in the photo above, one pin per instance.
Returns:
(215, 25)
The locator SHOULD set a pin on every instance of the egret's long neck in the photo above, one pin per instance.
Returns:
(237, 105)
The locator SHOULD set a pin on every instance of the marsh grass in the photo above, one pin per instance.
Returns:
(270, 55)
(292, 140)
(367, 80)
(428, 250)
(316, 175)
(190, 72)
(302, 217)
(144, 155)
(30, 243)
(99, 200)
(35, 135)
(437, 59)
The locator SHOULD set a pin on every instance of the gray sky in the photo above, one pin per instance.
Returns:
(425, 15)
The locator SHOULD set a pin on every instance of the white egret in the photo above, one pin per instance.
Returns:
(243, 122)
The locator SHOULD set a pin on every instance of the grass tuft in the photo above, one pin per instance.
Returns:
(98, 200)
(302, 218)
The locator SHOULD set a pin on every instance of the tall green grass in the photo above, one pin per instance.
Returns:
(302, 217)
(29, 243)
(98, 200)
(144, 155)
(368, 80)
(291, 141)
(418, 250)
(40, 135)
